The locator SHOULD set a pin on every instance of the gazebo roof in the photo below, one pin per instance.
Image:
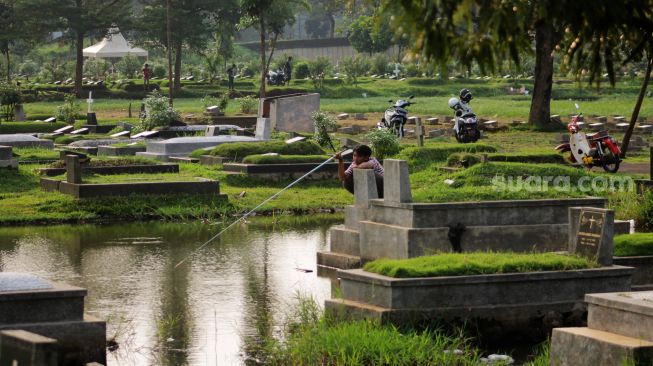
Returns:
(113, 45)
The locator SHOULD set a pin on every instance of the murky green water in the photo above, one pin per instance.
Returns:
(241, 285)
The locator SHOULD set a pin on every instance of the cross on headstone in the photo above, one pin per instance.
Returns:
(590, 233)
(396, 71)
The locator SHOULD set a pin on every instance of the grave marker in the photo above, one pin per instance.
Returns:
(295, 139)
(145, 134)
(64, 129)
(81, 131)
(51, 120)
(263, 128)
(419, 132)
(121, 133)
(22, 348)
(433, 121)
(396, 185)
(591, 232)
(73, 169)
(91, 119)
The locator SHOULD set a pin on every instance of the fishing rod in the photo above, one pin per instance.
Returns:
(345, 152)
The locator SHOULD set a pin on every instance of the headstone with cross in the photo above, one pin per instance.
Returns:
(590, 233)
(396, 71)
(91, 119)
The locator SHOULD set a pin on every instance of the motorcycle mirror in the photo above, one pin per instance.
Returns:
(577, 106)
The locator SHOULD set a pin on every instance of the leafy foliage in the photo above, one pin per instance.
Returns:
(324, 122)
(236, 151)
(384, 143)
(354, 67)
(318, 69)
(10, 97)
(367, 37)
(247, 104)
(159, 112)
(129, 66)
(69, 110)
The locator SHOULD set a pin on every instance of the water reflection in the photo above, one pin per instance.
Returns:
(198, 314)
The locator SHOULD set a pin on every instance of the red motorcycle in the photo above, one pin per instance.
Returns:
(594, 149)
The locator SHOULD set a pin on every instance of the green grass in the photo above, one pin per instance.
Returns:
(32, 154)
(110, 161)
(628, 245)
(284, 159)
(467, 264)
(29, 127)
(420, 158)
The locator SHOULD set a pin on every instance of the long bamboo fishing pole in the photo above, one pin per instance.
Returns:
(346, 152)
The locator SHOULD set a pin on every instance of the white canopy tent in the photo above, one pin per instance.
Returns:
(114, 45)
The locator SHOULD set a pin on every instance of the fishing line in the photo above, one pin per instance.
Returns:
(346, 152)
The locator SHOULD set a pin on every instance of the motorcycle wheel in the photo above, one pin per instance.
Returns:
(613, 164)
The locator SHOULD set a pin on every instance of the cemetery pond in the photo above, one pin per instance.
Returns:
(200, 313)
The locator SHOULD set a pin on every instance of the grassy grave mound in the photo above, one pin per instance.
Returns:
(137, 160)
(630, 245)
(468, 159)
(30, 127)
(284, 159)
(130, 144)
(479, 263)
(236, 151)
(420, 158)
(25, 154)
(486, 174)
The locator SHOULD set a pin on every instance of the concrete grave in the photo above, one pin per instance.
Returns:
(433, 121)
(119, 150)
(360, 116)
(645, 129)
(618, 331)
(263, 128)
(364, 187)
(343, 116)
(218, 130)
(21, 140)
(590, 233)
(81, 131)
(145, 134)
(436, 133)
(292, 112)
(214, 110)
(396, 187)
(51, 120)
(413, 119)
(348, 143)
(19, 347)
(7, 159)
(19, 113)
(121, 134)
(64, 129)
(602, 119)
(52, 310)
(183, 146)
(295, 139)
(622, 126)
(419, 133)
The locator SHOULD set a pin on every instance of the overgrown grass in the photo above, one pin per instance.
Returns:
(236, 151)
(102, 162)
(467, 159)
(26, 154)
(636, 244)
(420, 158)
(312, 339)
(284, 159)
(466, 264)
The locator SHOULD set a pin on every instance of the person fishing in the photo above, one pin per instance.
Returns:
(362, 159)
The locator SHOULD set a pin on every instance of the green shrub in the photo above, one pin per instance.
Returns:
(236, 151)
(301, 70)
(159, 71)
(628, 245)
(318, 70)
(457, 159)
(129, 66)
(30, 127)
(644, 212)
(159, 111)
(69, 110)
(10, 97)
(247, 104)
(383, 142)
(421, 157)
(477, 263)
(323, 122)
(284, 159)
(223, 103)
(463, 160)
(209, 101)
(354, 67)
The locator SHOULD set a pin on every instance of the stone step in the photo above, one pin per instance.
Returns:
(629, 314)
(590, 347)
(338, 260)
(61, 302)
(349, 309)
(345, 241)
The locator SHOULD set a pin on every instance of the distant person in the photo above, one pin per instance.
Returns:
(231, 73)
(362, 159)
(287, 70)
(147, 75)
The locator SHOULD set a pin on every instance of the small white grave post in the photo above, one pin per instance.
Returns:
(396, 71)
(90, 102)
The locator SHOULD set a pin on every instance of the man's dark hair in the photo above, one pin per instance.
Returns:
(363, 150)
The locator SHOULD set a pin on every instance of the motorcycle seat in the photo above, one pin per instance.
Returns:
(597, 135)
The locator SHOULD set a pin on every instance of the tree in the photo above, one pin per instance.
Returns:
(79, 19)
(193, 25)
(354, 67)
(368, 35)
(270, 17)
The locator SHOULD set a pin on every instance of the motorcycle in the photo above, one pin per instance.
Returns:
(396, 116)
(276, 77)
(465, 123)
(589, 150)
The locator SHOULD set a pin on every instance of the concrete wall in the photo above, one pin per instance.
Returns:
(292, 113)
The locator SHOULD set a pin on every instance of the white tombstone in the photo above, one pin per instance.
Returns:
(90, 102)
(396, 182)
(263, 128)
(396, 71)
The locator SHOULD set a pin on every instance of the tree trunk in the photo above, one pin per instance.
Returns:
(332, 25)
(264, 71)
(79, 63)
(8, 67)
(540, 113)
(638, 105)
(169, 49)
(177, 83)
